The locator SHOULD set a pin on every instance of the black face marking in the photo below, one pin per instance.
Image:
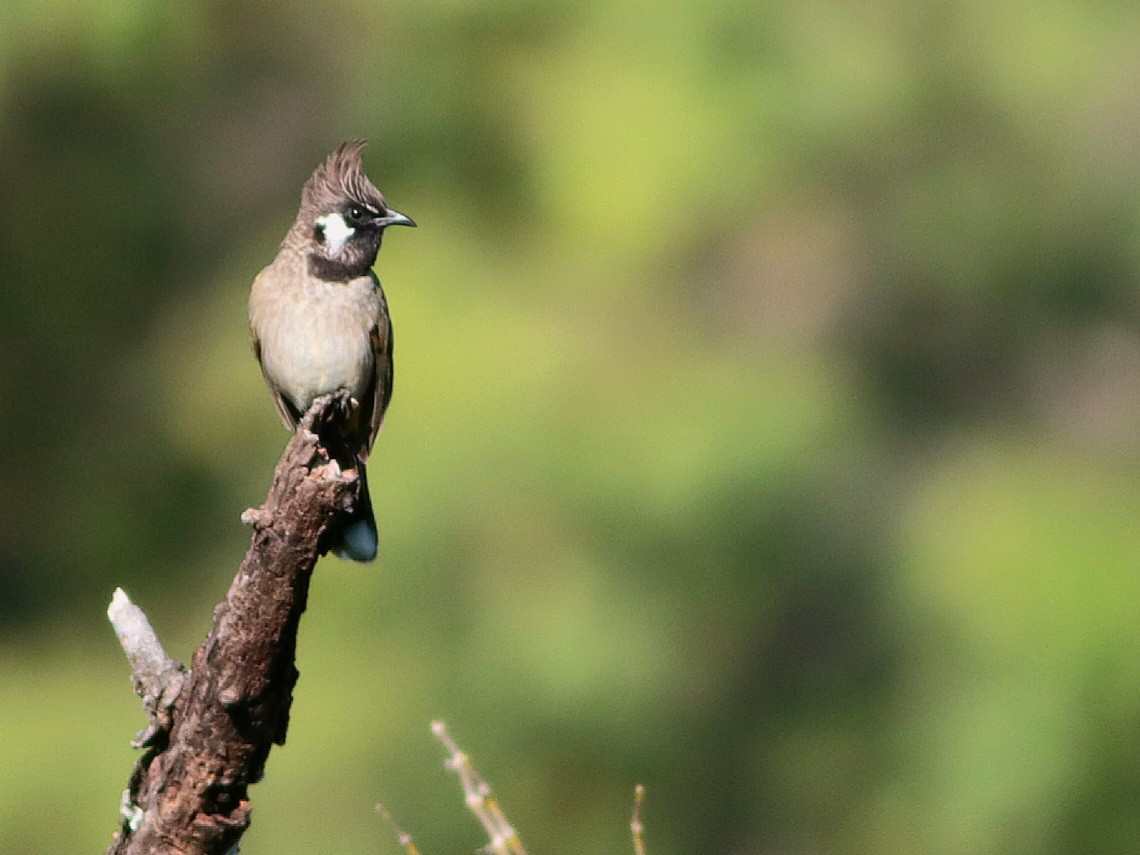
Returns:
(361, 216)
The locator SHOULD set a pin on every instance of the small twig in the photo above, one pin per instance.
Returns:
(403, 839)
(480, 801)
(157, 678)
(635, 825)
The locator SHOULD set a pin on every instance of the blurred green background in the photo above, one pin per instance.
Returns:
(766, 427)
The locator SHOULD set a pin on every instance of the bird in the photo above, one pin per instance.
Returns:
(319, 323)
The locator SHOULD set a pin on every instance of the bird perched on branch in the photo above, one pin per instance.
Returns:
(319, 320)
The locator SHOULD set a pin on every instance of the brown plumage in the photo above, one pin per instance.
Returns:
(319, 319)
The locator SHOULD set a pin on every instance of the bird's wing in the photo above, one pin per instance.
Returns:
(381, 335)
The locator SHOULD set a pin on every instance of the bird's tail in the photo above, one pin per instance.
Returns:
(359, 539)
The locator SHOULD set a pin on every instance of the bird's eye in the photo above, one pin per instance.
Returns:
(356, 212)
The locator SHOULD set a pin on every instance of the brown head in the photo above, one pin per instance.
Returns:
(342, 216)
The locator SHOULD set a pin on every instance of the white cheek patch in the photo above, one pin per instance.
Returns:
(336, 231)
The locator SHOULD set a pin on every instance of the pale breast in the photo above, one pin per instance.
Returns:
(316, 336)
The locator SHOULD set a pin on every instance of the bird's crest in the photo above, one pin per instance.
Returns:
(341, 178)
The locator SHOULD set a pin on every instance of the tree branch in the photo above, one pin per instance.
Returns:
(211, 728)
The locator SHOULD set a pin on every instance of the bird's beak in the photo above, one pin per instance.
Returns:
(395, 218)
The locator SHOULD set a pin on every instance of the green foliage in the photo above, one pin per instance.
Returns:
(765, 423)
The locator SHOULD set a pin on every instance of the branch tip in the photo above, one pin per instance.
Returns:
(635, 826)
(402, 838)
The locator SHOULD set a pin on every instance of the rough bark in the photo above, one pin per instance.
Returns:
(188, 792)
